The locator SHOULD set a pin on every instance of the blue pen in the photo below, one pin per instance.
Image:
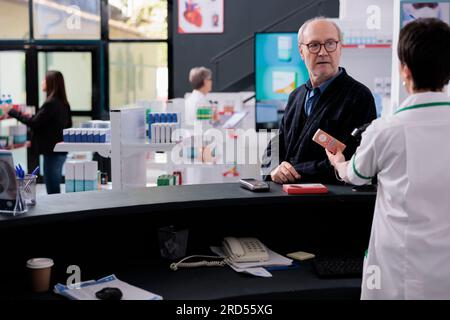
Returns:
(19, 172)
(35, 171)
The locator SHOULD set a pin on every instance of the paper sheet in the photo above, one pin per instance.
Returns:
(87, 290)
(256, 268)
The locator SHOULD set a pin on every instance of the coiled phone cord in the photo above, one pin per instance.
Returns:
(174, 266)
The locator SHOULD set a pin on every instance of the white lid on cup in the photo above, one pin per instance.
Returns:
(39, 263)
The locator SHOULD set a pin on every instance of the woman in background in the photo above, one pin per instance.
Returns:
(47, 128)
(200, 79)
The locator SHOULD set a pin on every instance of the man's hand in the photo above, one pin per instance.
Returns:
(284, 173)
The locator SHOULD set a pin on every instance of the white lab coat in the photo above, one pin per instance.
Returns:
(195, 100)
(410, 240)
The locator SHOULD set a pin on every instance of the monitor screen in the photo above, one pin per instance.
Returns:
(279, 68)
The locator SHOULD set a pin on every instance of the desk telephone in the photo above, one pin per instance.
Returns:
(245, 249)
(235, 249)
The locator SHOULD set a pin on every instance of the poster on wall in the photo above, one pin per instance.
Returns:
(200, 16)
(412, 10)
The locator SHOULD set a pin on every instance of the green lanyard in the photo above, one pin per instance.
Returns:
(424, 105)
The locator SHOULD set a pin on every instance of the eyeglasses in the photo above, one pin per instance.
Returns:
(329, 45)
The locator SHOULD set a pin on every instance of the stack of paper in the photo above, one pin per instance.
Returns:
(257, 268)
(86, 290)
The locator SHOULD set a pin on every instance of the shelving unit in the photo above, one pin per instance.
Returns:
(103, 149)
(18, 146)
(368, 46)
(399, 93)
(19, 151)
(130, 166)
(127, 150)
(146, 146)
(366, 28)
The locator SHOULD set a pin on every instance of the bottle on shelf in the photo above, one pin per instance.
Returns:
(9, 100)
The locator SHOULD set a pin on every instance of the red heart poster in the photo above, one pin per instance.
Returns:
(200, 16)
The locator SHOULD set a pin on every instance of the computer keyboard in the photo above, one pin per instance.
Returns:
(339, 267)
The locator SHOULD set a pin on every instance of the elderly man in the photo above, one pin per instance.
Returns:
(201, 82)
(331, 100)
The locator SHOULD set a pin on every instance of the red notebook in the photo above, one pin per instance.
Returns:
(304, 188)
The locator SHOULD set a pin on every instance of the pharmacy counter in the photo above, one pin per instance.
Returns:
(117, 232)
(72, 206)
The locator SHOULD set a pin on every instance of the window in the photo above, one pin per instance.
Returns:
(12, 75)
(137, 19)
(14, 19)
(12, 82)
(66, 19)
(77, 72)
(137, 72)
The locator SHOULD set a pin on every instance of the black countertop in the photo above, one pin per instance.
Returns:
(54, 208)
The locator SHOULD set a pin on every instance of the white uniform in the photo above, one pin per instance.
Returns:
(195, 100)
(409, 250)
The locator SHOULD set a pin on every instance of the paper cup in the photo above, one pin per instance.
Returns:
(40, 271)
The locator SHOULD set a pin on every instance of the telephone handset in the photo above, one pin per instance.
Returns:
(235, 250)
(245, 250)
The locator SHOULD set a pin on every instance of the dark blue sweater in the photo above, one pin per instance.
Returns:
(345, 105)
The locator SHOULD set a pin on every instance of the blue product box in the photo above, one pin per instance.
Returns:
(70, 185)
(96, 136)
(102, 136)
(78, 136)
(66, 135)
(90, 136)
(19, 139)
(90, 185)
(79, 185)
(84, 135)
(72, 135)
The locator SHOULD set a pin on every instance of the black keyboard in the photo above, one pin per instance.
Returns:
(339, 267)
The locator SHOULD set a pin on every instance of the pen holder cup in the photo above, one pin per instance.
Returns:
(20, 205)
(172, 242)
(29, 189)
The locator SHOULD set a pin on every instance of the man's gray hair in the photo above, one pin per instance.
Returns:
(303, 28)
(198, 75)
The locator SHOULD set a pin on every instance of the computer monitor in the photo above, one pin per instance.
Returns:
(267, 116)
(279, 70)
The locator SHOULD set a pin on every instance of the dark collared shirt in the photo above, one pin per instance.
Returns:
(313, 94)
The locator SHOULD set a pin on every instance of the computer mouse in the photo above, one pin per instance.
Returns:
(109, 293)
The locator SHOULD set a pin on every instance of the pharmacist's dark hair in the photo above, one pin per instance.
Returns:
(424, 46)
(54, 82)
